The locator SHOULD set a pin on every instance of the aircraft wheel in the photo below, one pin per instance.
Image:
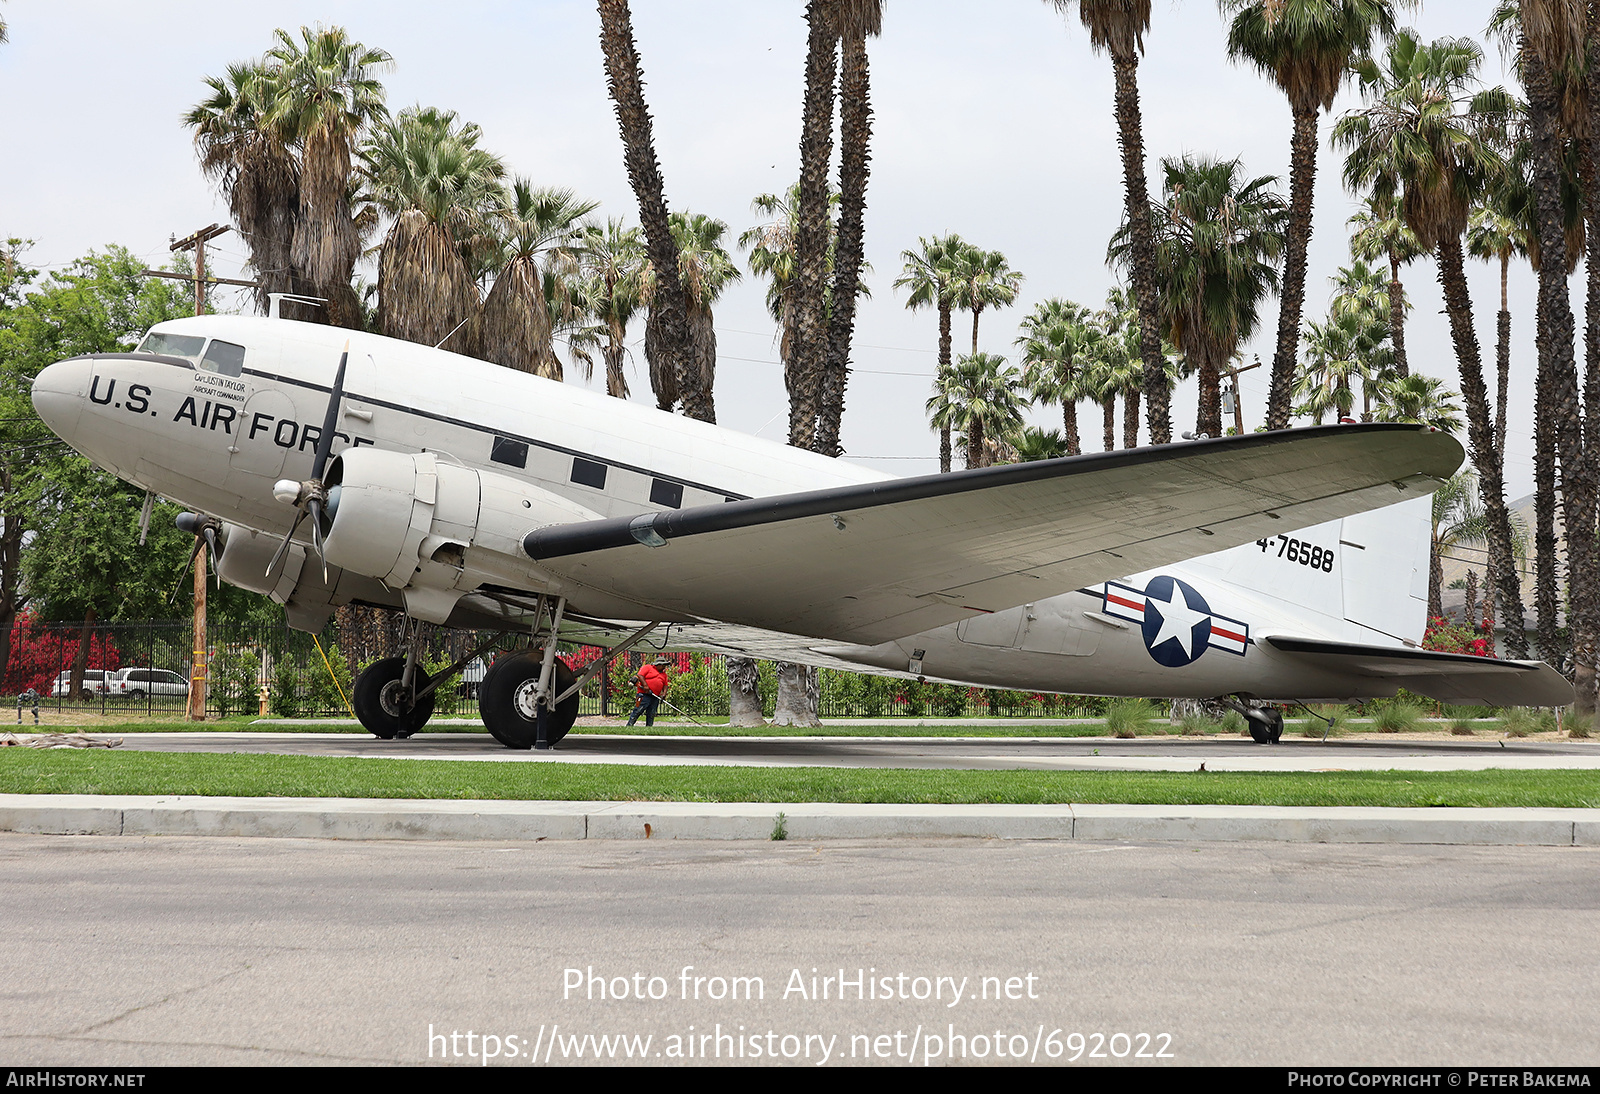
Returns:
(380, 705)
(505, 699)
(1266, 725)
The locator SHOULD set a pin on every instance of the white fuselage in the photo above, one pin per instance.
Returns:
(217, 443)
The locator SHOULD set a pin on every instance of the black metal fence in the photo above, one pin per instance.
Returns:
(277, 672)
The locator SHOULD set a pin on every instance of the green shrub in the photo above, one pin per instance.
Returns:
(1461, 727)
(1338, 713)
(288, 692)
(1129, 717)
(1519, 722)
(1577, 725)
(235, 675)
(1395, 717)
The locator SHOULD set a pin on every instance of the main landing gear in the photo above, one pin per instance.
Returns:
(1264, 722)
(528, 698)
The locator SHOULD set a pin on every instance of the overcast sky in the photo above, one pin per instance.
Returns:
(993, 121)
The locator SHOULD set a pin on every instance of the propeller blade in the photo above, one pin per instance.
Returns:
(283, 548)
(314, 507)
(211, 542)
(330, 420)
(173, 595)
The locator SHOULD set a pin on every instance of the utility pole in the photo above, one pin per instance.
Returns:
(1238, 407)
(198, 668)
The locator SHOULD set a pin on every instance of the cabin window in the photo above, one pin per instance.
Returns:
(509, 452)
(669, 494)
(223, 357)
(588, 473)
(187, 346)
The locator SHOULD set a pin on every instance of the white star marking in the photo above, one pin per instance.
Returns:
(1178, 620)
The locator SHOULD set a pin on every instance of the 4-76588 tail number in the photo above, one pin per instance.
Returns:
(1298, 550)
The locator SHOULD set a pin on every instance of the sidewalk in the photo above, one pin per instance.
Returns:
(409, 819)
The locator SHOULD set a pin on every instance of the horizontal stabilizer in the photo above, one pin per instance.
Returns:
(875, 561)
(1448, 677)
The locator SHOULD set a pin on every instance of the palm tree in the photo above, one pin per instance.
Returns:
(1305, 46)
(327, 96)
(705, 269)
(773, 255)
(1037, 444)
(1219, 237)
(1418, 141)
(610, 290)
(1050, 340)
(1102, 361)
(1497, 231)
(930, 275)
(1419, 399)
(256, 171)
(1458, 521)
(626, 83)
(517, 328)
(1381, 232)
(424, 169)
(1331, 366)
(1117, 27)
(983, 280)
(980, 398)
(856, 21)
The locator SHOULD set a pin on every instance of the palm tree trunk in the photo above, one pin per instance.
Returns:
(855, 135)
(1435, 580)
(944, 369)
(811, 230)
(1130, 139)
(326, 243)
(1069, 426)
(976, 312)
(1108, 408)
(1130, 418)
(975, 445)
(1302, 179)
(1453, 279)
(1209, 418)
(1397, 317)
(744, 697)
(1502, 362)
(1555, 343)
(644, 174)
(1545, 573)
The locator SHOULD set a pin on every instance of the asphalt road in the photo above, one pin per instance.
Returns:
(126, 951)
(1059, 753)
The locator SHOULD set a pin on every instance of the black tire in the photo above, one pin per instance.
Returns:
(505, 700)
(1266, 725)
(375, 699)
(86, 695)
(136, 695)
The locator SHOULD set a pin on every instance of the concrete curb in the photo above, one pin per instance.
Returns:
(407, 819)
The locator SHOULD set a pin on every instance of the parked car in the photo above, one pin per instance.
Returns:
(96, 682)
(137, 683)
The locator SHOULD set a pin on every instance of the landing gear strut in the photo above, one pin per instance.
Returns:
(510, 701)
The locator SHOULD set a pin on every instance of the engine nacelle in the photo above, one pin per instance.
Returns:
(432, 529)
(300, 588)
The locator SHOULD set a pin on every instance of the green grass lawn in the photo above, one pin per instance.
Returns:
(97, 771)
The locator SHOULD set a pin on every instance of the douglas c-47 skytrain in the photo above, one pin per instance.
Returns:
(331, 467)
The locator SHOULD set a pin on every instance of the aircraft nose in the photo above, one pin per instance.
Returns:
(58, 393)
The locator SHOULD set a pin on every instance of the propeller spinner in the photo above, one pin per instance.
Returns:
(311, 496)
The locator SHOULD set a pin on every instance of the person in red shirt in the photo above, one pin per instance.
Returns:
(650, 685)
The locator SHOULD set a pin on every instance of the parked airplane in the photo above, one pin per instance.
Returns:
(470, 495)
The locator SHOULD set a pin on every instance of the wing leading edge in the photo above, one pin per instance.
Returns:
(872, 562)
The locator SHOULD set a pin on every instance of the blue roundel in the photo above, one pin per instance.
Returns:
(1177, 622)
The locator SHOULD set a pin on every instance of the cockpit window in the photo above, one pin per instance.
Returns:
(224, 357)
(174, 345)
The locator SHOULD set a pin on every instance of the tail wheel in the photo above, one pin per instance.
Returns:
(1266, 725)
(505, 699)
(381, 703)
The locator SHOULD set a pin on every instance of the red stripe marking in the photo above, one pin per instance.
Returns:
(1126, 603)
(1226, 634)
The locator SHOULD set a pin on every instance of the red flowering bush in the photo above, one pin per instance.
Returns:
(1447, 637)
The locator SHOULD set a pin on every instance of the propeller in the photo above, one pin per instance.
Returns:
(311, 496)
(204, 529)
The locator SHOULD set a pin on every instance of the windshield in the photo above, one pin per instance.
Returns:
(173, 345)
(224, 357)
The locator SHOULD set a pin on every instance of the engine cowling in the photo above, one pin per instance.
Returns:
(432, 529)
(307, 598)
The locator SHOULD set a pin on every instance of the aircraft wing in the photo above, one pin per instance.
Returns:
(1448, 677)
(872, 562)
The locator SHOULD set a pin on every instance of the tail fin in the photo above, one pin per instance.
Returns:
(1383, 559)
